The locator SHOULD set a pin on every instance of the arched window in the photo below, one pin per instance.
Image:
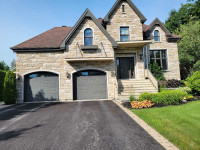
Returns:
(88, 37)
(156, 35)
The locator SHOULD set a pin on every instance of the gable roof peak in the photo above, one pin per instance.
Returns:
(88, 13)
(141, 16)
(158, 22)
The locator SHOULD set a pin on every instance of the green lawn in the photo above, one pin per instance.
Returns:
(179, 124)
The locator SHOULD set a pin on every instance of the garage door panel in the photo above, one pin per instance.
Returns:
(90, 86)
(41, 86)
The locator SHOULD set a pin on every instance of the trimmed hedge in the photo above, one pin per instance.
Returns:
(166, 97)
(146, 96)
(2, 76)
(9, 91)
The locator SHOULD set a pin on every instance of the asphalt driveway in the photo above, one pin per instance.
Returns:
(95, 125)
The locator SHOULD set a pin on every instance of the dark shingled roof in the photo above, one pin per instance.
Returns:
(49, 39)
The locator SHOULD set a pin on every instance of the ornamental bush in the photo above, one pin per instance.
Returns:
(146, 96)
(169, 97)
(9, 91)
(166, 97)
(157, 72)
(132, 98)
(2, 76)
(194, 82)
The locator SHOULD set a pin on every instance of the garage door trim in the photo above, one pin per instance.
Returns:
(30, 72)
(95, 69)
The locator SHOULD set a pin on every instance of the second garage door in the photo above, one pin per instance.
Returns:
(90, 84)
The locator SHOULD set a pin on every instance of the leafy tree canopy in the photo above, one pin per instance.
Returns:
(188, 12)
(3, 66)
(13, 65)
(189, 48)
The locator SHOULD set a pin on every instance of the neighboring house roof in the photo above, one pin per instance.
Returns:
(50, 39)
(142, 18)
(86, 14)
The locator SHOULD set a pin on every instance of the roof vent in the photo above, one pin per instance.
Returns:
(64, 26)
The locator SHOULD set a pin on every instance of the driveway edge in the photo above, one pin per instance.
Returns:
(157, 136)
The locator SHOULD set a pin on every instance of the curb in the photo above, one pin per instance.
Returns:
(157, 136)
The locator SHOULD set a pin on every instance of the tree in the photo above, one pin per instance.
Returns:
(157, 72)
(3, 66)
(173, 22)
(188, 12)
(189, 48)
(9, 90)
(13, 65)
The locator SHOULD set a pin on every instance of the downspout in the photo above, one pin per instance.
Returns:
(101, 50)
(144, 61)
(147, 61)
(76, 49)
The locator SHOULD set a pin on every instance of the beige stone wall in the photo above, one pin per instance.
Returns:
(55, 62)
(139, 64)
(173, 71)
(97, 39)
(129, 18)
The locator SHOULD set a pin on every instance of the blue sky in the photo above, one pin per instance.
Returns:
(21, 20)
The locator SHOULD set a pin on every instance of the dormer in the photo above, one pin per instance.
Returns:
(124, 21)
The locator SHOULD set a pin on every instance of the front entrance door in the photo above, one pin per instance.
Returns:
(126, 67)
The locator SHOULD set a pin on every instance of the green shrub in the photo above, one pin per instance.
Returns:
(9, 91)
(185, 89)
(194, 82)
(146, 96)
(169, 97)
(157, 72)
(2, 76)
(132, 98)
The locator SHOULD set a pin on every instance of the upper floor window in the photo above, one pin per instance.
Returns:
(124, 34)
(88, 37)
(156, 36)
(160, 57)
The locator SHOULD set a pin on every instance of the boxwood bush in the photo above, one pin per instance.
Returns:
(2, 76)
(194, 82)
(169, 97)
(9, 90)
(132, 98)
(166, 97)
(146, 96)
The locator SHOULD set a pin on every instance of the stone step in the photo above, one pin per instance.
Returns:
(136, 88)
(136, 93)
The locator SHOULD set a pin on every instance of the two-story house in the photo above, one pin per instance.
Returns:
(96, 58)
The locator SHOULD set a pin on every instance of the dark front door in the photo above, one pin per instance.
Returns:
(126, 67)
(90, 84)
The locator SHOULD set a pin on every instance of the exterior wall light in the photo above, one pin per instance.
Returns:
(68, 75)
(18, 77)
(112, 74)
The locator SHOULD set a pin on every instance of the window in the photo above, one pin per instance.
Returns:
(124, 34)
(88, 37)
(159, 56)
(156, 36)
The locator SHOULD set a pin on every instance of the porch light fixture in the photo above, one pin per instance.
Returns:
(68, 75)
(18, 77)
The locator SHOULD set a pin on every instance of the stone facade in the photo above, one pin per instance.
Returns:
(125, 19)
(173, 71)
